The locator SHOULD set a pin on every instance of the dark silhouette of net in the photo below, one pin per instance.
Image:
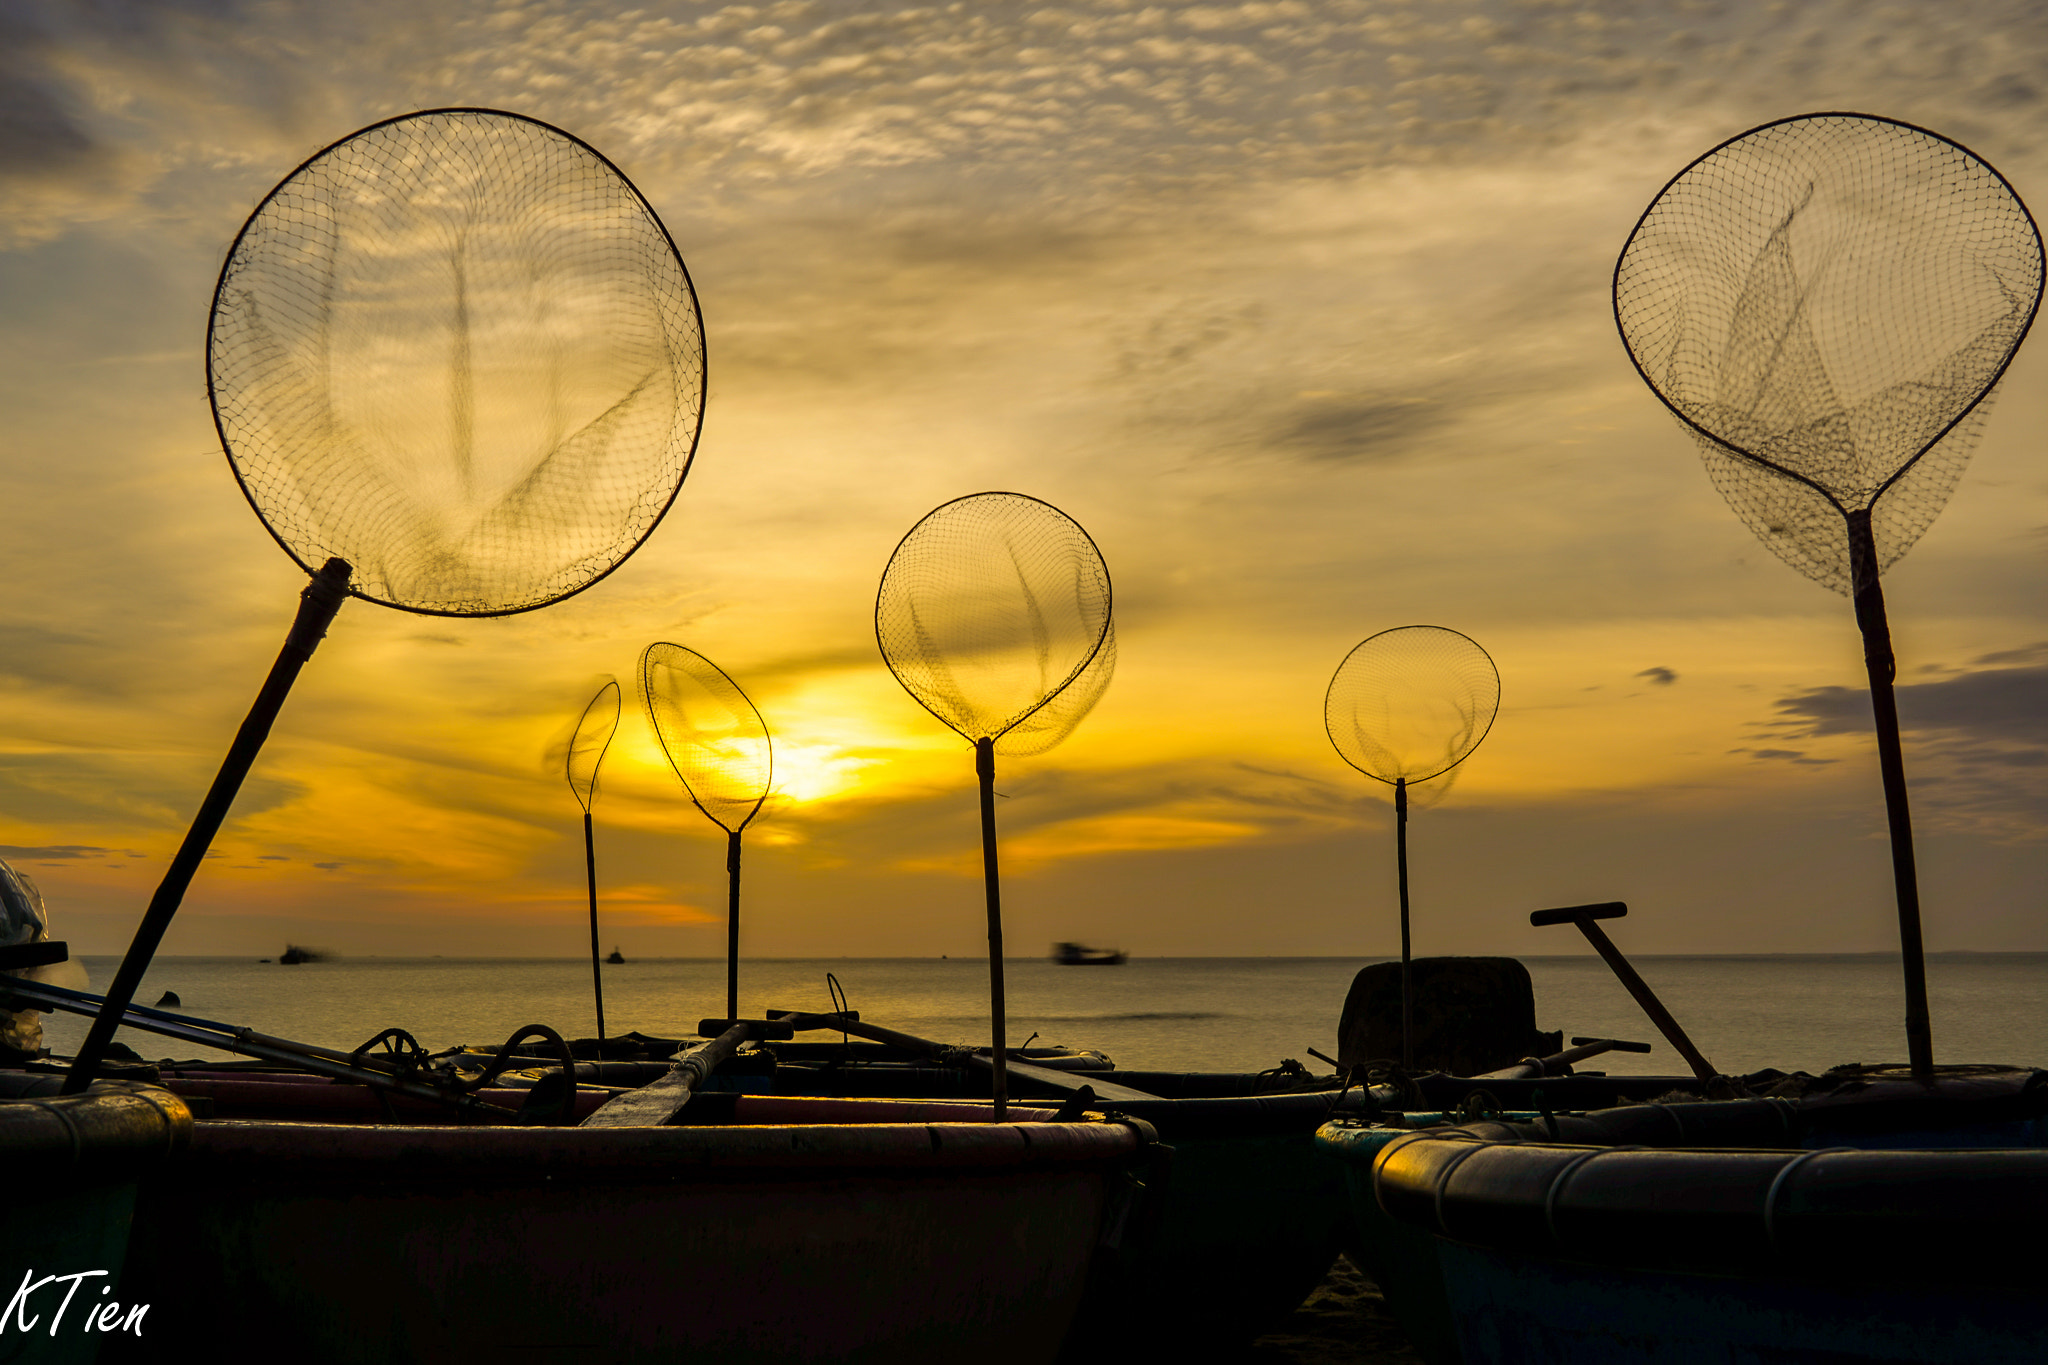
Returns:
(991, 606)
(1411, 703)
(714, 738)
(589, 742)
(718, 745)
(1826, 302)
(994, 612)
(458, 368)
(1408, 705)
(458, 351)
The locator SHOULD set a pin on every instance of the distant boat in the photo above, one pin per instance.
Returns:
(1080, 955)
(616, 957)
(294, 955)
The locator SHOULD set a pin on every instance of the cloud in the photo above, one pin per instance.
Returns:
(1663, 677)
(1976, 742)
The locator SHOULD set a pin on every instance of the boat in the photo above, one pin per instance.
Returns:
(759, 1230)
(615, 958)
(77, 1163)
(1079, 955)
(293, 955)
(1867, 1214)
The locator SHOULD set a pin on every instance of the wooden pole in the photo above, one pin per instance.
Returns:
(596, 972)
(1882, 666)
(317, 605)
(985, 769)
(1407, 985)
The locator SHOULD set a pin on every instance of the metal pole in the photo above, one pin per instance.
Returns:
(1881, 665)
(596, 973)
(317, 605)
(985, 769)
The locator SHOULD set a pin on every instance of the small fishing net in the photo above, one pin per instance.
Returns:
(714, 738)
(994, 612)
(589, 742)
(458, 351)
(1826, 302)
(990, 607)
(1411, 703)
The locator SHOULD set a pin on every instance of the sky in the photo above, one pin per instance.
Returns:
(1300, 309)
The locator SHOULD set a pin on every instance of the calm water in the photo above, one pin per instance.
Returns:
(1209, 1014)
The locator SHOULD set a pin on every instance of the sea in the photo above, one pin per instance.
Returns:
(1745, 1013)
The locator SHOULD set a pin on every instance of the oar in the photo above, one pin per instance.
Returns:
(320, 1061)
(924, 1047)
(655, 1103)
(1560, 1063)
(1583, 916)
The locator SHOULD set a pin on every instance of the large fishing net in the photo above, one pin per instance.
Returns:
(714, 738)
(589, 742)
(992, 606)
(459, 351)
(1826, 302)
(1411, 703)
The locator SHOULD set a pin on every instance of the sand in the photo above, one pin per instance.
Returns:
(1345, 1322)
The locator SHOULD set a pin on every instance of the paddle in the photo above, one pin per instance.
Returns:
(341, 1066)
(924, 1047)
(1583, 916)
(1560, 1063)
(655, 1103)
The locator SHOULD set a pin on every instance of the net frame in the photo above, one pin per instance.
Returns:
(684, 457)
(678, 734)
(1874, 532)
(585, 787)
(1358, 658)
(923, 670)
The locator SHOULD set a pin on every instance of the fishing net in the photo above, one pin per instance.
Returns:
(591, 738)
(1411, 703)
(458, 351)
(1826, 302)
(992, 606)
(714, 738)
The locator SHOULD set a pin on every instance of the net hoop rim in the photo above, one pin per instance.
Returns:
(1108, 614)
(690, 288)
(1470, 749)
(611, 685)
(2041, 260)
(647, 695)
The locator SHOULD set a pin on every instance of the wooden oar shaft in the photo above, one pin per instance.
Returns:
(874, 1033)
(655, 1103)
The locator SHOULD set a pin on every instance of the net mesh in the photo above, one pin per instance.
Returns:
(459, 351)
(714, 738)
(1411, 703)
(1044, 728)
(991, 607)
(1827, 301)
(587, 744)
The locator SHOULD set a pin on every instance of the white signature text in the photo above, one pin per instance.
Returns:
(101, 1315)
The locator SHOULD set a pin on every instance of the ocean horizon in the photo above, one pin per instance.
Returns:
(1746, 1012)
